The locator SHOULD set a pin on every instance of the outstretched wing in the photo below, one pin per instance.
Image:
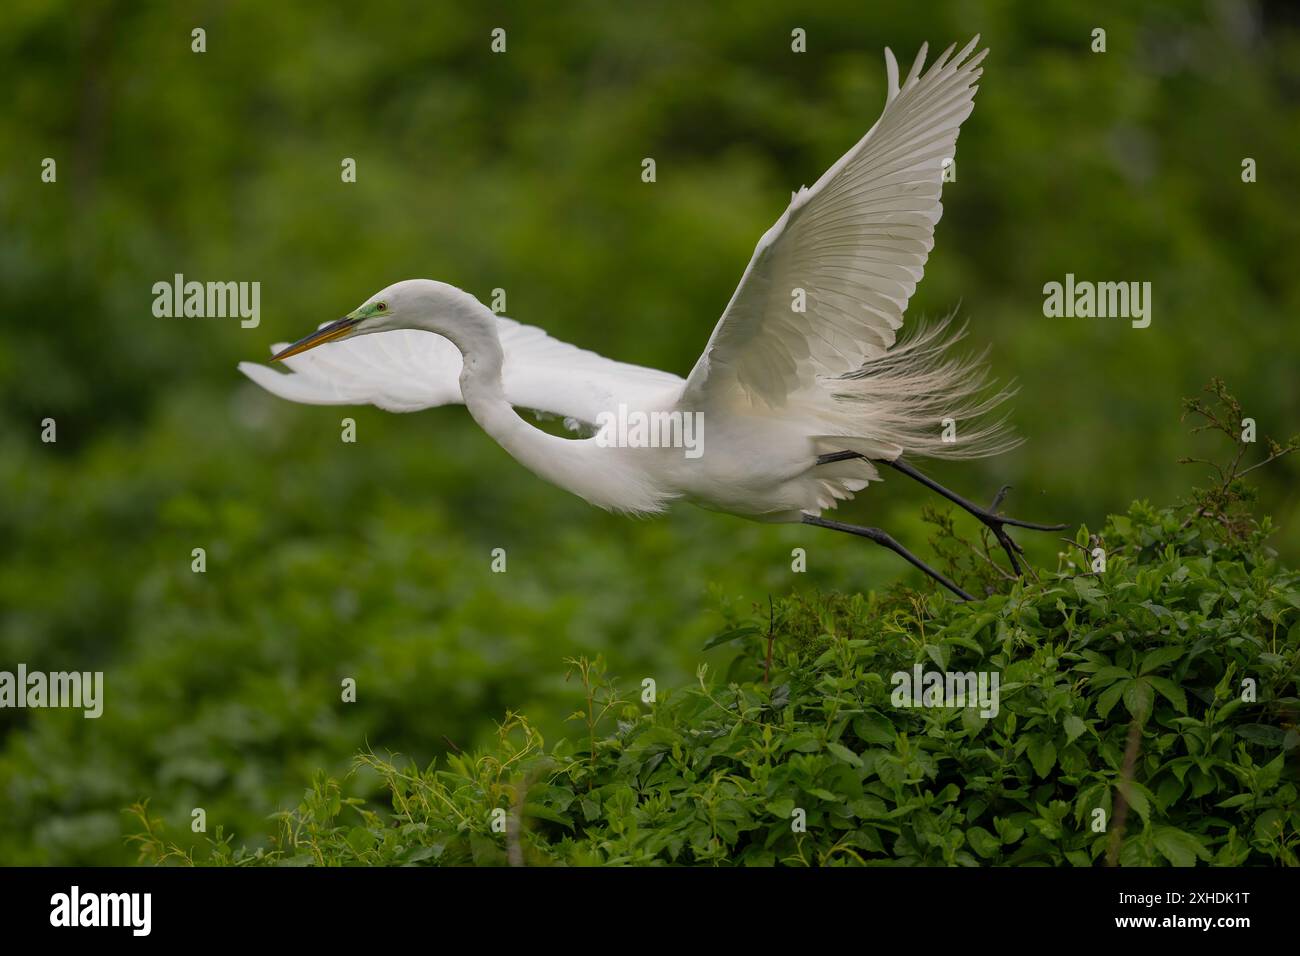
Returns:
(855, 243)
(407, 370)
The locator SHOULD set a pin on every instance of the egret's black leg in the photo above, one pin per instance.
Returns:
(990, 519)
(987, 516)
(881, 538)
(970, 506)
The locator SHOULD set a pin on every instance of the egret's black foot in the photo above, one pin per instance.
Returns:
(987, 516)
(996, 523)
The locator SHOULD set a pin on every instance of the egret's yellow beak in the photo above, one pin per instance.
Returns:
(322, 335)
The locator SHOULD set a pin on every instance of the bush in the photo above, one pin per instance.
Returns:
(1148, 706)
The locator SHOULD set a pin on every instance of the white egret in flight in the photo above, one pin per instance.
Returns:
(798, 406)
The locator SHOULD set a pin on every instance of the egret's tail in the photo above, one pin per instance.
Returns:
(919, 400)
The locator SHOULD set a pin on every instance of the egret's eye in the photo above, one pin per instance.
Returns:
(381, 307)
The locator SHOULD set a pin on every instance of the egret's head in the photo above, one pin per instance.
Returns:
(413, 303)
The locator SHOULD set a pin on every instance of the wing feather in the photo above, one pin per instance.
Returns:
(407, 370)
(856, 242)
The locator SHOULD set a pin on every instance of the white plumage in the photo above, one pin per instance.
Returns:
(856, 243)
(405, 370)
(778, 389)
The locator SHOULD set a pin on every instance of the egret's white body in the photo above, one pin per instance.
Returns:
(776, 387)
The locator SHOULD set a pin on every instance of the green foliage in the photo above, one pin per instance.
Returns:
(1121, 692)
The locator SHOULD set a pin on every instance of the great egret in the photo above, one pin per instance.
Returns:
(801, 389)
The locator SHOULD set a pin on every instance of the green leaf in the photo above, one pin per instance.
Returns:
(1267, 776)
(781, 808)
(1237, 800)
(361, 839)
(965, 642)
(971, 721)
(1160, 657)
(1138, 797)
(1170, 691)
(822, 793)
(1261, 734)
(1170, 789)
(1109, 697)
(1138, 698)
(1087, 591)
(420, 853)
(937, 654)
(542, 812)
(1042, 754)
(845, 754)
(983, 842)
(1008, 831)
(1074, 726)
(1106, 675)
(1179, 847)
(805, 743)
(732, 635)
(875, 729)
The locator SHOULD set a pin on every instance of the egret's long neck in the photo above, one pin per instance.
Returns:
(563, 462)
(484, 394)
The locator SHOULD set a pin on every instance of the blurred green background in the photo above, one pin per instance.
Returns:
(370, 560)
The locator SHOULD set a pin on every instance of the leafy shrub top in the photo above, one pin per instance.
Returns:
(1117, 688)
